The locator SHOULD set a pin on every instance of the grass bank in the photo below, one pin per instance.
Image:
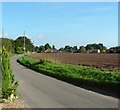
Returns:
(78, 75)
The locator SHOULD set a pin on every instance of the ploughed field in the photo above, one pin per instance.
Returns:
(106, 61)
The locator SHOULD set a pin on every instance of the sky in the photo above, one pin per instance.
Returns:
(60, 0)
(62, 23)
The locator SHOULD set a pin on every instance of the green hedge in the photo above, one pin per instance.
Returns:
(9, 84)
(79, 75)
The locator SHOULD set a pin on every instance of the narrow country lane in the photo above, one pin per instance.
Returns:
(40, 91)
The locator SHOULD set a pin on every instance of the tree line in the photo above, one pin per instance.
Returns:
(17, 46)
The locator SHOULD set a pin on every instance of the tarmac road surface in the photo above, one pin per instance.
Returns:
(41, 91)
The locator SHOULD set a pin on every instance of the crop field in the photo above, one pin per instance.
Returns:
(106, 61)
(78, 75)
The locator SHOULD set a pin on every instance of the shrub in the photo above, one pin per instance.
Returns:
(9, 85)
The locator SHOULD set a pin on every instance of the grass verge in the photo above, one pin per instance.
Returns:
(78, 75)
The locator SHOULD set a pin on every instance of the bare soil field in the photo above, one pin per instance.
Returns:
(106, 61)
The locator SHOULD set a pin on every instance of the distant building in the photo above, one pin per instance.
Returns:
(103, 51)
(93, 51)
(48, 51)
(89, 51)
(51, 51)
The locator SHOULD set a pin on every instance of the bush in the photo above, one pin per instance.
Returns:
(9, 85)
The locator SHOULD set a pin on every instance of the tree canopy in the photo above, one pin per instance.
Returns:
(95, 46)
(17, 46)
(7, 43)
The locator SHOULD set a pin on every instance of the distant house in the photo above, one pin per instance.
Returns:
(89, 51)
(50, 51)
(96, 51)
(103, 51)
(54, 50)
(93, 51)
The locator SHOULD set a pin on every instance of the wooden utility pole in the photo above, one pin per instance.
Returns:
(33, 46)
(2, 33)
(24, 42)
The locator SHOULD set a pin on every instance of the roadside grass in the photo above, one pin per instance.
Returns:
(78, 75)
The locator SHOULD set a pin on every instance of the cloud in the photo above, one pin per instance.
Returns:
(56, 6)
(41, 37)
(38, 40)
(4, 35)
(103, 8)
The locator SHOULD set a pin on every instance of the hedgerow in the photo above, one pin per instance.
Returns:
(80, 75)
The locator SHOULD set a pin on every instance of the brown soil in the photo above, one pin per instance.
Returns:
(106, 61)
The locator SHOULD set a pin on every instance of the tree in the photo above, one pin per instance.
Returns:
(61, 49)
(7, 43)
(19, 50)
(68, 48)
(13, 45)
(96, 46)
(82, 49)
(9, 84)
(88, 47)
(53, 47)
(19, 42)
(47, 46)
(41, 49)
(114, 49)
(75, 49)
(36, 49)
